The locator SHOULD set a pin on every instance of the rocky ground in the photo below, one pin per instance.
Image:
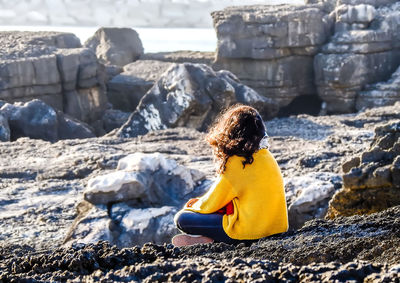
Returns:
(41, 184)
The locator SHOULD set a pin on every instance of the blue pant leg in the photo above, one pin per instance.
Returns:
(209, 225)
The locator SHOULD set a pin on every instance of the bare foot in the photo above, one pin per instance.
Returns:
(189, 240)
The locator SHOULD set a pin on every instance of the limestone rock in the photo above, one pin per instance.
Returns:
(4, 129)
(136, 203)
(189, 95)
(148, 178)
(116, 46)
(380, 94)
(362, 51)
(271, 48)
(371, 182)
(125, 90)
(51, 66)
(308, 196)
(37, 120)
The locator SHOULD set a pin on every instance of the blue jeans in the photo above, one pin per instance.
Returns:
(209, 225)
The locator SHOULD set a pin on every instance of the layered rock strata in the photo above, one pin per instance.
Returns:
(53, 67)
(371, 181)
(271, 48)
(363, 50)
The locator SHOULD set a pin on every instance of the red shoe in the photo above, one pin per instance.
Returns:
(182, 240)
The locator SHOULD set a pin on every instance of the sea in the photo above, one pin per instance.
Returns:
(153, 39)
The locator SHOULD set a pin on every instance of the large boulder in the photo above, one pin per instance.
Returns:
(136, 203)
(37, 120)
(189, 95)
(116, 46)
(371, 182)
(271, 48)
(364, 50)
(53, 67)
(125, 90)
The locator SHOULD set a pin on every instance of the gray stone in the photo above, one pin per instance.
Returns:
(149, 179)
(187, 94)
(4, 129)
(34, 119)
(113, 119)
(271, 48)
(380, 94)
(70, 128)
(116, 46)
(125, 90)
(354, 59)
(50, 66)
(308, 196)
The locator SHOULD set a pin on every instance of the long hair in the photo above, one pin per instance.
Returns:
(237, 131)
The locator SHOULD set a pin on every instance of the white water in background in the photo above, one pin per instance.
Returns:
(153, 39)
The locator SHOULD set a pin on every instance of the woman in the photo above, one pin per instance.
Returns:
(247, 201)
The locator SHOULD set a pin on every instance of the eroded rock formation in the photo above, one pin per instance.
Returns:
(371, 181)
(272, 48)
(53, 67)
(330, 48)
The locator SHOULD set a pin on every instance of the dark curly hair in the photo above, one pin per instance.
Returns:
(237, 131)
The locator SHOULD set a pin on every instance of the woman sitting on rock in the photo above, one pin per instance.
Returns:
(247, 201)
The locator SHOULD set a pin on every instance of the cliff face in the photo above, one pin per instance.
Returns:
(325, 49)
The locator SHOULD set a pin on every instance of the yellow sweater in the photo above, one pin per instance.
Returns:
(258, 197)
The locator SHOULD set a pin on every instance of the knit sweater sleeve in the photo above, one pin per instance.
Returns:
(219, 195)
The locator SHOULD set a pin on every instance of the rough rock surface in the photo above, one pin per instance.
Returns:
(356, 248)
(371, 181)
(53, 67)
(37, 120)
(271, 48)
(363, 50)
(42, 183)
(308, 196)
(291, 53)
(125, 90)
(116, 46)
(190, 95)
(183, 56)
(4, 129)
(380, 94)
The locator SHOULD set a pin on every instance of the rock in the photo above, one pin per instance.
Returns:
(52, 67)
(37, 120)
(114, 119)
(189, 95)
(4, 129)
(381, 93)
(141, 197)
(308, 196)
(371, 183)
(126, 89)
(265, 45)
(70, 128)
(150, 179)
(361, 52)
(183, 56)
(116, 46)
(33, 119)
